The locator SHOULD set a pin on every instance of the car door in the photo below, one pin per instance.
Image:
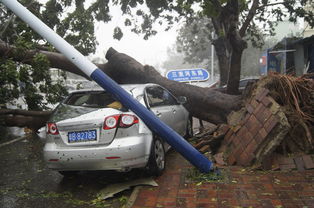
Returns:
(157, 104)
(165, 106)
(177, 120)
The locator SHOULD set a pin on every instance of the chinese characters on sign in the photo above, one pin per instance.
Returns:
(188, 75)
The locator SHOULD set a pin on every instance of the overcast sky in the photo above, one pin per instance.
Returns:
(152, 51)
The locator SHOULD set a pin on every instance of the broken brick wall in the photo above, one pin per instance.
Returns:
(256, 136)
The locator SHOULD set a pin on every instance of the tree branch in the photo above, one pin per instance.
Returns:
(271, 4)
(249, 17)
(23, 118)
(216, 3)
(24, 112)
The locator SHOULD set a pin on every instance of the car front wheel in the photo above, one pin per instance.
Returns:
(156, 163)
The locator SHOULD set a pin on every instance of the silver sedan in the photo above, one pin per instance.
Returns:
(91, 130)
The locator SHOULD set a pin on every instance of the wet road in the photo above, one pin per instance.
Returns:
(25, 182)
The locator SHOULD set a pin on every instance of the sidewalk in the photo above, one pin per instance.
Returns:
(240, 188)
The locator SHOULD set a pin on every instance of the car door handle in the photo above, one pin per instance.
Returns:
(174, 111)
(158, 114)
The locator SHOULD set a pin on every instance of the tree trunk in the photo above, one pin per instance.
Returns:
(223, 60)
(235, 73)
(203, 103)
(22, 118)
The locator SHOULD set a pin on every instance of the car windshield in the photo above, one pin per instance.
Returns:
(93, 99)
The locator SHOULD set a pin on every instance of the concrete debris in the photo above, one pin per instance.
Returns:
(113, 189)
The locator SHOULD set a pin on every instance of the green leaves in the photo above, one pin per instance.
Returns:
(8, 82)
(209, 9)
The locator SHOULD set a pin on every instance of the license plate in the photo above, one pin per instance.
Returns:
(82, 136)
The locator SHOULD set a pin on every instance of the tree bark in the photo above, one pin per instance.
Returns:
(223, 60)
(23, 118)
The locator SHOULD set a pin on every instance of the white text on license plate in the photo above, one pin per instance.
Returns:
(82, 136)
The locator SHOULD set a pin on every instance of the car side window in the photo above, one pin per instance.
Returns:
(158, 96)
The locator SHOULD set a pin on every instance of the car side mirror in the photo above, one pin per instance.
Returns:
(182, 100)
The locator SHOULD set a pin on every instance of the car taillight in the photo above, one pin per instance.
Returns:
(123, 121)
(127, 120)
(111, 122)
(52, 129)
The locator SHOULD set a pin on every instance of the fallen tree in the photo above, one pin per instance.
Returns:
(204, 103)
(274, 129)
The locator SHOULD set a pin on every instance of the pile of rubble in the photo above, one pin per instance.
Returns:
(272, 131)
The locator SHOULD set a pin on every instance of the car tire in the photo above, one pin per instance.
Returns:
(68, 173)
(189, 129)
(157, 162)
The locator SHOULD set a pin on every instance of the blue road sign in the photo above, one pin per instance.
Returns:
(188, 75)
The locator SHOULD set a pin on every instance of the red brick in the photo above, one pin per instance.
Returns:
(238, 151)
(270, 123)
(251, 147)
(259, 111)
(308, 162)
(263, 133)
(258, 138)
(299, 163)
(266, 101)
(246, 118)
(263, 93)
(236, 141)
(287, 166)
(285, 160)
(228, 137)
(255, 129)
(251, 122)
(231, 160)
(260, 108)
(223, 129)
(254, 103)
(185, 195)
(249, 108)
(242, 131)
(244, 159)
(204, 149)
(236, 128)
(199, 144)
(264, 116)
(246, 139)
(276, 203)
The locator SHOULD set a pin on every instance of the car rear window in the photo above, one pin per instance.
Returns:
(92, 99)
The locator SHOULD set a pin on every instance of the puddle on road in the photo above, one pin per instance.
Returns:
(26, 182)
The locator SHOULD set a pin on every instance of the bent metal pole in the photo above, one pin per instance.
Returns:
(90, 69)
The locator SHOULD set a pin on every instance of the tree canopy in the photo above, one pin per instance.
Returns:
(234, 22)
